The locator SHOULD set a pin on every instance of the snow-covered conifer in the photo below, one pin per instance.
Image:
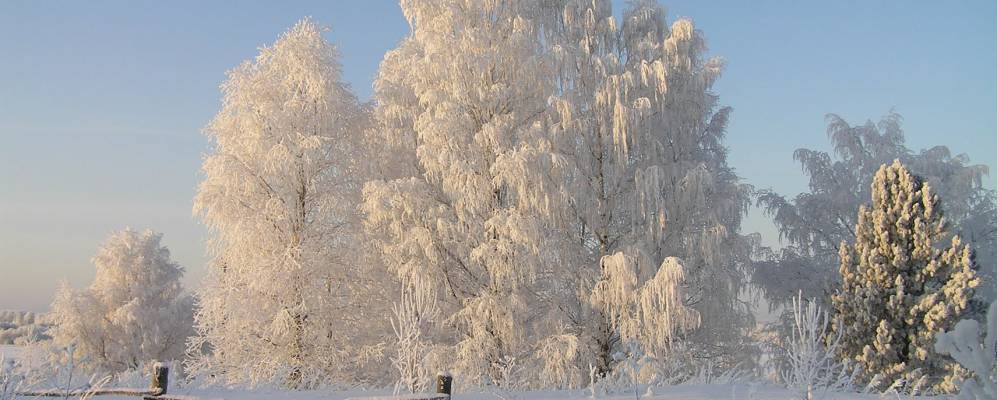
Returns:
(133, 313)
(282, 300)
(904, 279)
(814, 223)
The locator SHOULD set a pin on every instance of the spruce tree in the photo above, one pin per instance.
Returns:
(904, 279)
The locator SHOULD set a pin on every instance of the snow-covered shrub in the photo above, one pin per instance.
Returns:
(904, 279)
(133, 313)
(811, 353)
(11, 379)
(964, 344)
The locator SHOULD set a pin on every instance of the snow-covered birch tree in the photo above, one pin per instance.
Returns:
(812, 224)
(134, 312)
(904, 279)
(643, 134)
(282, 301)
(463, 100)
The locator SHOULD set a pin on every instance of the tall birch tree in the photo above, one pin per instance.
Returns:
(281, 189)
(642, 132)
(463, 100)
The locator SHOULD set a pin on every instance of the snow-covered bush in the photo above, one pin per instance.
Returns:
(812, 363)
(964, 344)
(133, 313)
(11, 379)
(904, 279)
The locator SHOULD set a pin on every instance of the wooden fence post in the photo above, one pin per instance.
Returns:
(160, 378)
(444, 383)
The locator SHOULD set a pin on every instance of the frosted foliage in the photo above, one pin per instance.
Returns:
(559, 355)
(902, 283)
(963, 343)
(645, 310)
(412, 316)
(461, 101)
(813, 223)
(811, 353)
(642, 134)
(535, 138)
(132, 314)
(281, 187)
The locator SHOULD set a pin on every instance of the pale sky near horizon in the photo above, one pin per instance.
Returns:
(102, 103)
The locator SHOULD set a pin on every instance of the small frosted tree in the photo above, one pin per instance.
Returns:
(811, 359)
(133, 313)
(288, 290)
(902, 284)
(964, 344)
(413, 316)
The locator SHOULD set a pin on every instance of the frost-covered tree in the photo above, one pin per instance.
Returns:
(812, 224)
(904, 279)
(412, 317)
(964, 344)
(811, 357)
(134, 312)
(532, 140)
(462, 101)
(289, 298)
(642, 135)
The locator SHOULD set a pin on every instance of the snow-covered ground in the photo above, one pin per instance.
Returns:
(739, 391)
(681, 392)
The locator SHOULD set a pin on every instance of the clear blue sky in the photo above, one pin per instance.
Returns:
(102, 102)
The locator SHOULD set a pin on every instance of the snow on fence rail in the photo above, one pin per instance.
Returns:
(444, 386)
(157, 390)
(160, 383)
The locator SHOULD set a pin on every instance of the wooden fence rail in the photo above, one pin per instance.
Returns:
(160, 383)
(161, 378)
